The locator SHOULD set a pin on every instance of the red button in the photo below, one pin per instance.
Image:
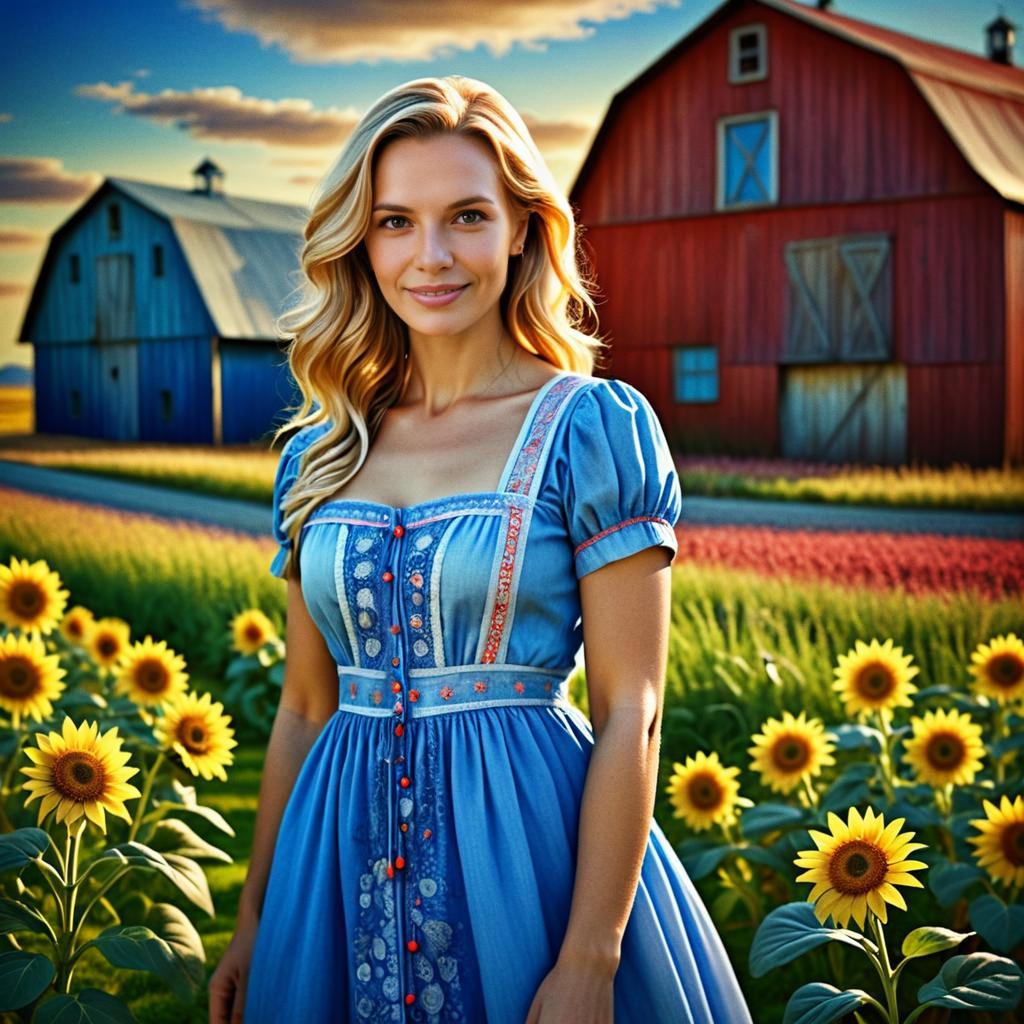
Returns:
(398, 530)
(387, 577)
(396, 628)
(412, 945)
(396, 687)
(399, 729)
(398, 707)
(409, 999)
(394, 661)
(399, 863)
(404, 782)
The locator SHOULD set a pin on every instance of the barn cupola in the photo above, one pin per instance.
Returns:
(208, 178)
(999, 38)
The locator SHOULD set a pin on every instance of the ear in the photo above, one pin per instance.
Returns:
(519, 235)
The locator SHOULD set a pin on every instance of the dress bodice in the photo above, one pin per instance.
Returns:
(491, 578)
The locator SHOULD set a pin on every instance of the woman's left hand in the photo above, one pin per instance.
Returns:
(576, 992)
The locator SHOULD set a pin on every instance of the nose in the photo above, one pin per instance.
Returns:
(433, 253)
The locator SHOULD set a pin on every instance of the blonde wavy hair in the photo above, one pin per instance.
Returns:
(348, 349)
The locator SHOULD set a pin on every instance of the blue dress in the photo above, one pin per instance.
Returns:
(425, 861)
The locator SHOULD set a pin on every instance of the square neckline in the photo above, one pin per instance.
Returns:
(510, 461)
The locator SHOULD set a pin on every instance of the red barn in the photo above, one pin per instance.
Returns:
(808, 233)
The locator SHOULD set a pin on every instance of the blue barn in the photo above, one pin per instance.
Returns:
(152, 317)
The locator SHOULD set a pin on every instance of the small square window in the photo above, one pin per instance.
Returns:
(748, 54)
(695, 373)
(75, 403)
(114, 221)
(158, 261)
(166, 405)
(75, 265)
(748, 160)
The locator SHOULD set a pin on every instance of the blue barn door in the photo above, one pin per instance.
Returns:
(118, 348)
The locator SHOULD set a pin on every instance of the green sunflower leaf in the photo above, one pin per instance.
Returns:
(819, 1003)
(21, 847)
(1001, 926)
(979, 981)
(89, 1006)
(928, 940)
(789, 931)
(23, 977)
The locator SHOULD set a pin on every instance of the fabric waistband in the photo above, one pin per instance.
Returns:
(436, 691)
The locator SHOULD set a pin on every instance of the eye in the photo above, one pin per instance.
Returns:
(383, 222)
(478, 213)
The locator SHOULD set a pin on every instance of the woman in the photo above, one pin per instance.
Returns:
(439, 836)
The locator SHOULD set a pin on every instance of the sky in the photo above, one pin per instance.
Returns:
(270, 89)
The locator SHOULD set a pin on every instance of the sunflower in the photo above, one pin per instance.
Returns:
(1000, 847)
(31, 596)
(30, 679)
(198, 731)
(77, 625)
(704, 792)
(857, 867)
(945, 748)
(875, 677)
(150, 672)
(251, 629)
(998, 668)
(78, 771)
(108, 640)
(786, 752)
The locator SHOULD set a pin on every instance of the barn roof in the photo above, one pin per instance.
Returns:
(980, 103)
(244, 254)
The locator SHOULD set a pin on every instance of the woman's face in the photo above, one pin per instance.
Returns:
(424, 233)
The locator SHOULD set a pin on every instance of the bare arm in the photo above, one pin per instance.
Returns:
(309, 697)
(626, 610)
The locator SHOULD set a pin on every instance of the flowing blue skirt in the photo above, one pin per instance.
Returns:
(485, 807)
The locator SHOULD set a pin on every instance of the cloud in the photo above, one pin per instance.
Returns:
(314, 32)
(20, 238)
(226, 114)
(42, 180)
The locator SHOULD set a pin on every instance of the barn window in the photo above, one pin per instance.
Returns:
(76, 268)
(115, 372)
(75, 402)
(840, 299)
(114, 221)
(696, 373)
(166, 405)
(158, 261)
(748, 54)
(748, 160)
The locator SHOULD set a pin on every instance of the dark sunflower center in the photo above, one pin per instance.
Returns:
(945, 751)
(857, 867)
(1012, 841)
(106, 645)
(253, 633)
(1006, 670)
(18, 677)
(27, 598)
(875, 681)
(74, 628)
(705, 792)
(78, 775)
(151, 675)
(791, 753)
(193, 734)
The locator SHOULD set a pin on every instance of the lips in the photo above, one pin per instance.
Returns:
(439, 289)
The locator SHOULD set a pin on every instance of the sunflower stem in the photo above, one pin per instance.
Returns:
(886, 974)
(1002, 732)
(97, 896)
(885, 758)
(147, 788)
(812, 793)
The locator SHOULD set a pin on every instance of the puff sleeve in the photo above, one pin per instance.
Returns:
(287, 472)
(621, 489)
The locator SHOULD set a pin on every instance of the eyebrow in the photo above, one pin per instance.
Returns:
(450, 206)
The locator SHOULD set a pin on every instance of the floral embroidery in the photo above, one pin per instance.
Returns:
(619, 526)
(505, 573)
(518, 686)
(480, 686)
(446, 692)
(414, 695)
